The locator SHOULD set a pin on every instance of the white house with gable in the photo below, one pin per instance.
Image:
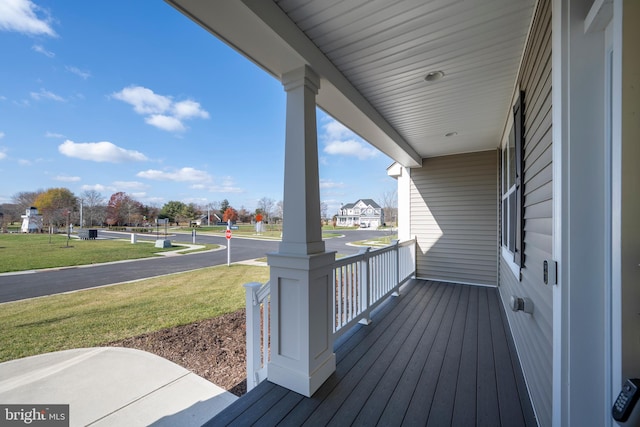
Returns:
(365, 213)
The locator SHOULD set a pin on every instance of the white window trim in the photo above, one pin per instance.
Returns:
(507, 255)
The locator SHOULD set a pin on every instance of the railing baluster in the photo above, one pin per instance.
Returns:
(364, 286)
(360, 282)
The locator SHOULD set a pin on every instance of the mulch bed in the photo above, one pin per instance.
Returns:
(214, 349)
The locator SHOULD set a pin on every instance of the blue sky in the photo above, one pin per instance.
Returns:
(132, 96)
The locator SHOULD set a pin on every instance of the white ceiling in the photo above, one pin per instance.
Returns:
(373, 55)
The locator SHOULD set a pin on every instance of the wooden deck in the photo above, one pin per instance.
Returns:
(438, 355)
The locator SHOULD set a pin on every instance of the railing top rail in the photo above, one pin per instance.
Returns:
(264, 292)
(260, 291)
(407, 242)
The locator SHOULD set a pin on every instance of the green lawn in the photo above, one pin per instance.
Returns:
(19, 252)
(379, 241)
(98, 316)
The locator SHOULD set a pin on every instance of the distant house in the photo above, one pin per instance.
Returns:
(364, 213)
(203, 221)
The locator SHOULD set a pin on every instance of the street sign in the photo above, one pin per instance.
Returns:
(227, 234)
(234, 227)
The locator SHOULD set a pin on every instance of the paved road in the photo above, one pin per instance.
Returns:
(25, 285)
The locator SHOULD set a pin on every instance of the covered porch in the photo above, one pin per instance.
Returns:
(513, 131)
(437, 354)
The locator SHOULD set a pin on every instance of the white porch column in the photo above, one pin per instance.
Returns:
(403, 176)
(302, 355)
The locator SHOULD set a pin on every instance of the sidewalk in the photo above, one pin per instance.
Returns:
(109, 386)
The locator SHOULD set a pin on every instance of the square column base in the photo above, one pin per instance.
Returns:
(302, 355)
(297, 381)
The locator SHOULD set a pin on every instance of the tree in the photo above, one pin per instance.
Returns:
(55, 205)
(10, 213)
(174, 211)
(223, 206)
(390, 205)
(24, 200)
(150, 213)
(191, 212)
(122, 209)
(93, 208)
(323, 210)
(244, 215)
(279, 211)
(265, 205)
(230, 215)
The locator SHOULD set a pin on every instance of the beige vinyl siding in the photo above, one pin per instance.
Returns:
(533, 333)
(453, 216)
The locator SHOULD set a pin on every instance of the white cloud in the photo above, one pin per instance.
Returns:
(24, 162)
(189, 109)
(3, 154)
(97, 187)
(161, 111)
(338, 140)
(78, 72)
(53, 135)
(65, 178)
(100, 152)
(1, 135)
(45, 94)
(143, 100)
(40, 49)
(130, 185)
(20, 16)
(168, 123)
(350, 147)
(325, 184)
(226, 190)
(226, 185)
(181, 175)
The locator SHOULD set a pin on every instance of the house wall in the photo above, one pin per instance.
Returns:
(453, 216)
(533, 333)
(629, 200)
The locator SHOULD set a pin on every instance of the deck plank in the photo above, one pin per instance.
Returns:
(365, 338)
(487, 411)
(440, 354)
(464, 413)
(381, 351)
(441, 413)
(422, 400)
(375, 402)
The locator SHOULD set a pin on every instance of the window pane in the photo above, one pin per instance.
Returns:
(512, 222)
(505, 169)
(512, 158)
(505, 232)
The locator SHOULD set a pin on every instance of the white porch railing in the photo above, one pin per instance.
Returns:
(360, 283)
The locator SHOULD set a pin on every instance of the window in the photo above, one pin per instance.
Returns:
(512, 192)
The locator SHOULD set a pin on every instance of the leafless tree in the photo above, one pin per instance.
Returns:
(265, 205)
(25, 199)
(93, 207)
(390, 205)
(323, 210)
(279, 210)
